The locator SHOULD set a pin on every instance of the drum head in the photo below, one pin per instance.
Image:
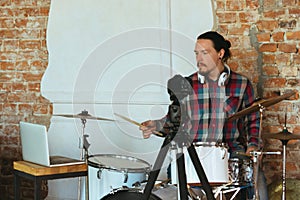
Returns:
(128, 194)
(118, 162)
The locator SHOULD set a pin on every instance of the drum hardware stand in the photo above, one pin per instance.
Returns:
(261, 104)
(284, 144)
(284, 137)
(84, 145)
(178, 88)
(256, 162)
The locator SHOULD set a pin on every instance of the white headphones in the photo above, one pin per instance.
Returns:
(222, 78)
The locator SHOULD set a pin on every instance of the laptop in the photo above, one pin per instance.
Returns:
(35, 149)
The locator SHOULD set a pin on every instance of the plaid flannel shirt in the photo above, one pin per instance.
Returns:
(209, 107)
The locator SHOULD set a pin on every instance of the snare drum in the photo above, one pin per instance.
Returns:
(214, 160)
(107, 172)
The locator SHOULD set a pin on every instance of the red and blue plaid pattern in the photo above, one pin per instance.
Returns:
(209, 107)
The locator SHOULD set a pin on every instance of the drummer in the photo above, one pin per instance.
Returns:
(218, 93)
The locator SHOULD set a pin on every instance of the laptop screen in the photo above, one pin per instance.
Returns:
(34, 141)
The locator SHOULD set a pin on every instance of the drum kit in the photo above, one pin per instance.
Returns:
(124, 177)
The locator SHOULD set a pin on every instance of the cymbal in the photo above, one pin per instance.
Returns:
(284, 135)
(260, 103)
(83, 115)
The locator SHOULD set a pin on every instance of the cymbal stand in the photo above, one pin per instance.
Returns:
(84, 145)
(255, 160)
(284, 144)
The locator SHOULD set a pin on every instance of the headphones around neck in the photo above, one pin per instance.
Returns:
(222, 78)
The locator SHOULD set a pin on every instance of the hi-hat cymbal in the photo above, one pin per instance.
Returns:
(260, 103)
(285, 135)
(83, 115)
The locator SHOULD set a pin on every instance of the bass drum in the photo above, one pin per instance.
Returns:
(131, 194)
(166, 192)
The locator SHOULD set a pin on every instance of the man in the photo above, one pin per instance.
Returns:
(218, 93)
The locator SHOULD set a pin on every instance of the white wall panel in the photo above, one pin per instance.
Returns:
(115, 56)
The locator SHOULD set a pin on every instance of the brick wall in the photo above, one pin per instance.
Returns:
(23, 60)
(265, 38)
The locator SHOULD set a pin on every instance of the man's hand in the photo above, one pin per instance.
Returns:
(147, 128)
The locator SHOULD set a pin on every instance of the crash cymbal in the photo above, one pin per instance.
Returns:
(260, 103)
(83, 115)
(284, 135)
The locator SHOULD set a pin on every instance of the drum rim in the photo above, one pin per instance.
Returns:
(120, 169)
(132, 190)
(210, 144)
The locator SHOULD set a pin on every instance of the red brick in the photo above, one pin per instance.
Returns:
(267, 25)
(220, 5)
(292, 23)
(253, 4)
(25, 108)
(288, 2)
(6, 65)
(235, 5)
(44, 11)
(270, 71)
(263, 37)
(10, 45)
(274, 14)
(268, 47)
(27, 12)
(28, 77)
(275, 83)
(41, 109)
(34, 87)
(239, 30)
(296, 59)
(18, 86)
(287, 48)
(293, 35)
(283, 59)
(269, 59)
(278, 36)
(227, 17)
(269, 4)
(30, 44)
(6, 12)
(293, 82)
(7, 23)
(295, 10)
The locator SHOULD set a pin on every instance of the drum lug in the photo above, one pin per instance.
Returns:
(125, 177)
(99, 172)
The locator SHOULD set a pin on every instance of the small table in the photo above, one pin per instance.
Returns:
(37, 173)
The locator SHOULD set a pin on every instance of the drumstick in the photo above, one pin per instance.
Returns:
(136, 123)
